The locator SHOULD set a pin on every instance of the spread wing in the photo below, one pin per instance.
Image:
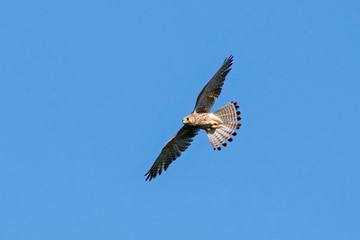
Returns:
(212, 90)
(172, 150)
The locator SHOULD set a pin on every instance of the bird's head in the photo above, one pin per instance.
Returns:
(189, 120)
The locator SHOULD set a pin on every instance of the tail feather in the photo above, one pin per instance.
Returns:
(232, 125)
(228, 115)
(223, 133)
(227, 130)
(220, 138)
(213, 139)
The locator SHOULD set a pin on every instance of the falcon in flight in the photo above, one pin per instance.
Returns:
(218, 125)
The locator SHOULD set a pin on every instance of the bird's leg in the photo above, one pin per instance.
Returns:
(214, 124)
(214, 121)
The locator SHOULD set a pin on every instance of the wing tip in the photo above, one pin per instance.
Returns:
(229, 61)
(230, 58)
(150, 175)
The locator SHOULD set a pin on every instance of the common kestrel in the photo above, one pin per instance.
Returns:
(218, 125)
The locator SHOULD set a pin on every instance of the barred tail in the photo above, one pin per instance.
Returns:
(228, 115)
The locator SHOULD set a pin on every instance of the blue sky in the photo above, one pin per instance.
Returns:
(91, 91)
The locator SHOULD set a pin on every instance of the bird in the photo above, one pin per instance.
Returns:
(219, 125)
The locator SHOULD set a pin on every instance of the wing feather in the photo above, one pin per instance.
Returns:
(212, 90)
(172, 150)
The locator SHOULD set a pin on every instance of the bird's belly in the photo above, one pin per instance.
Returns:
(206, 121)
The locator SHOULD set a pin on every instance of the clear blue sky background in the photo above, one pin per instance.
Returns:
(90, 91)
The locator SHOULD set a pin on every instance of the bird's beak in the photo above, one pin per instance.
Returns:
(184, 120)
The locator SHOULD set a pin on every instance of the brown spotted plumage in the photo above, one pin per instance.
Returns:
(218, 125)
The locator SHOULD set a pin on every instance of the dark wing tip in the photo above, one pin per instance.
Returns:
(149, 176)
(227, 64)
(229, 59)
